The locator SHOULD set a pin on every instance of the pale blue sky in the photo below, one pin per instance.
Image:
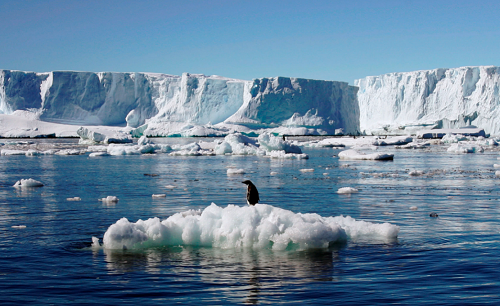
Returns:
(330, 40)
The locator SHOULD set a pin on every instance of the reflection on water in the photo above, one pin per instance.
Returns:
(240, 275)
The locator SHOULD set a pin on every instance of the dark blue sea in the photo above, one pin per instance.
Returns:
(46, 256)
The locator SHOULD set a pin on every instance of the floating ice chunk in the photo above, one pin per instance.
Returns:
(399, 140)
(273, 173)
(68, 152)
(413, 208)
(32, 152)
(347, 190)
(95, 154)
(414, 145)
(143, 141)
(170, 187)
(19, 226)
(12, 152)
(356, 155)
(463, 148)
(118, 137)
(415, 173)
(453, 138)
(95, 242)
(272, 143)
(282, 154)
(89, 137)
(306, 170)
(109, 199)
(74, 199)
(223, 148)
(233, 171)
(28, 183)
(497, 173)
(162, 195)
(259, 227)
(496, 166)
(118, 149)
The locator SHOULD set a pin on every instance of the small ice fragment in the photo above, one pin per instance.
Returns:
(159, 195)
(325, 173)
(273, 173)
(96, 154)
(74, 199)
(95, 242)
(109, 199)
(496, 166)
(497, 173)
(28, 183)
(413, 207)
(388, 213)
(170, 186)
(345, 190)
(306, 170)
(232, 171)
(19, 226)
(415, 173)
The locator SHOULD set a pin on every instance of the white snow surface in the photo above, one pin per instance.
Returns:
(259, 227)
(402, 103)
(155, 104)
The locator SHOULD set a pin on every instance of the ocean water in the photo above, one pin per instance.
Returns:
(45, 240)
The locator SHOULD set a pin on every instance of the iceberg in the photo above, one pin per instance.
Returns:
(154, 104)
(403, 103)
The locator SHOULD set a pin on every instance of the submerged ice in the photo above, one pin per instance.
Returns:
(260, 227)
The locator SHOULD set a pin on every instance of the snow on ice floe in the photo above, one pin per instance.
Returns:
(28, 183)
(357, 155)
(260, 227)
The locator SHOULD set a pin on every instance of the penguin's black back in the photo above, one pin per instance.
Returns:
(252, 193)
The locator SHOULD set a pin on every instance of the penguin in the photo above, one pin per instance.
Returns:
(252, 193)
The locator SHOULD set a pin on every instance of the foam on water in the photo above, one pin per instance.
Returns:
(259, 227)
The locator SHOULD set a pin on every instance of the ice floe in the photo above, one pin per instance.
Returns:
(259, 227)
(357, 155)
(28, 183)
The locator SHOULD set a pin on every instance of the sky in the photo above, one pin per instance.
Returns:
(326, 40)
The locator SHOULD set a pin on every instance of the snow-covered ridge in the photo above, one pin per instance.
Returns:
(440, 98)
(163, 105)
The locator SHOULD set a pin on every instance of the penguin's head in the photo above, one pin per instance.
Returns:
(247, 182)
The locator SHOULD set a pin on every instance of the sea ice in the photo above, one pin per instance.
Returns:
(259, 227)
(356, 155)
(465, 148)
(28, 183)
(233, 171)
(347, 190)
(109, 199)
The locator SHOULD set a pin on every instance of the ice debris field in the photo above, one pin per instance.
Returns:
(260, 226)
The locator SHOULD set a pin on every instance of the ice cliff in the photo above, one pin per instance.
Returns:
(162, 105)
(439, 98)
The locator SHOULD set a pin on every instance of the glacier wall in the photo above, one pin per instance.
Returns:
(139, 99)
(439, 98)
(295, 102)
